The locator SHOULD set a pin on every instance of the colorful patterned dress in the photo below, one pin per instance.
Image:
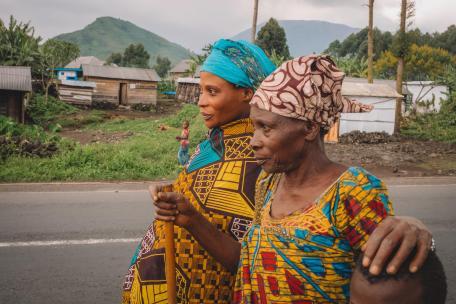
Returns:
(219, 181)
(307, 257)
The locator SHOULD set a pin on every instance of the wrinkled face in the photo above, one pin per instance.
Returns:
(280, 143)
(403, 291)
(221, 102)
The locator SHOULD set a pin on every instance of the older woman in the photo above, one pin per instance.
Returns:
(218, 182)
(334, 221)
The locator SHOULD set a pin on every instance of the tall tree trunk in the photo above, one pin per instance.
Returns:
(370, 44)
(254, 22)
(400, 70)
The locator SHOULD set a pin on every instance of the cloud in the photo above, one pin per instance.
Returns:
(198, 22)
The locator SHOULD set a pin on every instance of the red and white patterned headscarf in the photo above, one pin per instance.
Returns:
(307, 88)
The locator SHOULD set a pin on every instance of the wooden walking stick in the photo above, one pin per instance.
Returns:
(170, 262)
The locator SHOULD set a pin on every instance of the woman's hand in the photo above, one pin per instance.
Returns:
(172, 206)
(401, 232)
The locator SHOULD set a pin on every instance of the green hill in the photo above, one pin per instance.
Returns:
(106, 35)
(307, 36)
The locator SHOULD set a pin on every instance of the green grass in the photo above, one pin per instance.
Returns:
(149, 154)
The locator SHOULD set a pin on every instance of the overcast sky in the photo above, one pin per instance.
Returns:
(194, 23)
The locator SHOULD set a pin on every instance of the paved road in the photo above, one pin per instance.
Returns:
(63, 246)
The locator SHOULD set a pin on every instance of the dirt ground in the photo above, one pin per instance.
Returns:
(389, 156)
(383, 155)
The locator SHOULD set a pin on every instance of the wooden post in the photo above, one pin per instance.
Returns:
(254, 22)
(370, 44)
(170, 261)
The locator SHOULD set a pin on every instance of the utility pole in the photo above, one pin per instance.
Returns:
(254, 22)
(370, 44)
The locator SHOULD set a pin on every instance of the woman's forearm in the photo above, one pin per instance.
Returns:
(220, 245)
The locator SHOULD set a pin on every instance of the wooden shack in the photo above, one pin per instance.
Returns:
(15, 84)
(122, 86)
(182, 69)
(188, 90)
(76, 92)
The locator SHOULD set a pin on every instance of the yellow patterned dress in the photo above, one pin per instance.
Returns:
(307, 257)
(219, 181)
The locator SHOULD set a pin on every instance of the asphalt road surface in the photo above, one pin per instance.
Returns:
(73, 243)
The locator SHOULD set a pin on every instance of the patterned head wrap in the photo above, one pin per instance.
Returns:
(307, 88)
(239, 62)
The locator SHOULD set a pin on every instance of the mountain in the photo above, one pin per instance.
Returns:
(107, 35)
(307, 36)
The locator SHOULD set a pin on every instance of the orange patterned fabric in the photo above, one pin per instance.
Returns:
(307, 257)
(307, 88)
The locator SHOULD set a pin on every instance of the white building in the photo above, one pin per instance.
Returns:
(380, 119)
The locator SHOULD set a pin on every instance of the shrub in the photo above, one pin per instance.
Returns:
(45, 112)
(18, 139)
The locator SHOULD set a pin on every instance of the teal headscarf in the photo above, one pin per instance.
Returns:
(239, 62)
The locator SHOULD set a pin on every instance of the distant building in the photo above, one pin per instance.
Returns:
(15, 84)
(425, 96)
(182, 69)
(91, 60)
(122, 86)
(73, 70)
(421, 96)
(188, 90)
(380, 119)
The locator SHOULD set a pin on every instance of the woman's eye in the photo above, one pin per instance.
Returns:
(211, 91)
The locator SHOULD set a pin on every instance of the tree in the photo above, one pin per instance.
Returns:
(272, 37)
(407, 12)
(422, 62)
(114, 58)
(135, 55)
(370, 44)
(18, 45)
(352, 66)
(254, 21)
(162, 66)
(55, 53)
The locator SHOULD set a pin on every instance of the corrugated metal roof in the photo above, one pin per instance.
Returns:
(16, 78)
(388, 82)
(92, 60)
(181, 67)
(120, 73)
(368, 89)
(78, 83)
(188, 80)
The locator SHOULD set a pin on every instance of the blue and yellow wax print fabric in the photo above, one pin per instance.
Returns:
(219, 181)
(307, 257)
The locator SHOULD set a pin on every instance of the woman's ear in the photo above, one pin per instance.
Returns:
(247, 94)
(313, 131)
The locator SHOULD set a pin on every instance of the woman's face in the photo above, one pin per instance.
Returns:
(280, 144)
(220, 102)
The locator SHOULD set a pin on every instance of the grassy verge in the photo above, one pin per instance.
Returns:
(434, 126)
(151, 153)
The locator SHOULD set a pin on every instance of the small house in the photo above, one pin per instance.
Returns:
(76, 92)
(182, 69)
(15, 84)
(425, 96)
(73, 70)
(380, 119)
(188, 90)
(122, 86)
